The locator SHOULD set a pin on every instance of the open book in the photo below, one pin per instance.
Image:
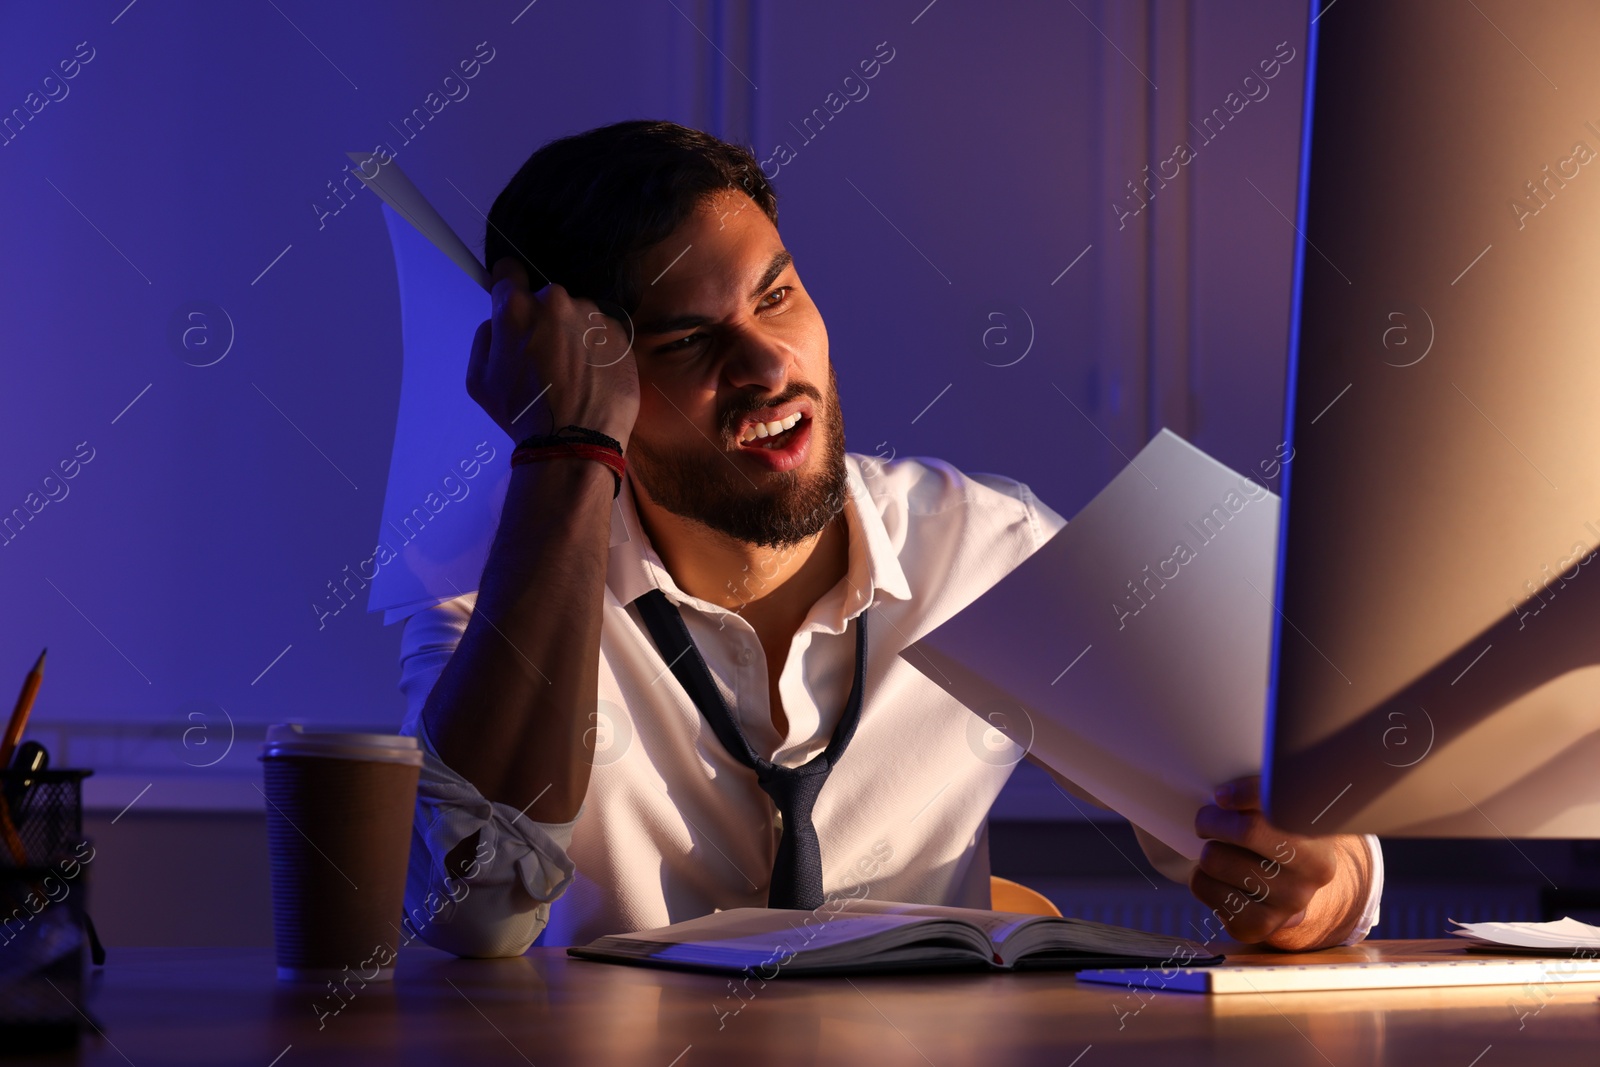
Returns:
(856, 936)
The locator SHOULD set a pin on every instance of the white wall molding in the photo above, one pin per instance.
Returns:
(1148, 323)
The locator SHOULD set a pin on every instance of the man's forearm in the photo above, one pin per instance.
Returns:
(511, 709)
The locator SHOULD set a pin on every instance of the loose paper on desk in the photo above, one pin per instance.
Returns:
(1130, 652)
(1563, 935)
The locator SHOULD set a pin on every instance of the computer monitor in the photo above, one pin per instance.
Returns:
(1436, 666)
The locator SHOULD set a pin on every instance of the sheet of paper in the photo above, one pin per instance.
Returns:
(395, 189)
(1130, 652)
(1566, 933)
(451, 464)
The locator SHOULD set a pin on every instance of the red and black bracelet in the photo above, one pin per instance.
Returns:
(575, 441)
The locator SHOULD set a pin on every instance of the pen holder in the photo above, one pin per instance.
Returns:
(44, 945)
(42, 818)
(45, 933)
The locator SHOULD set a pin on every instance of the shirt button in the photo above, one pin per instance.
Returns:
(746, 655)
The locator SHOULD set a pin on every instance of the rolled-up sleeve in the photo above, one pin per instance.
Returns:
(1370, 911)
(500, 902)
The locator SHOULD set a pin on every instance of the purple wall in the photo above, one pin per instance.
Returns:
(185, 167)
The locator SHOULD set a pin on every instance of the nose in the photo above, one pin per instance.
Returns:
(756, 359)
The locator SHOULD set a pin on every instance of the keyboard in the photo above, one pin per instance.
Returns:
(1290, 978)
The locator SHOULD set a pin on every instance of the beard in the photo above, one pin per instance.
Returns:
(706, 487)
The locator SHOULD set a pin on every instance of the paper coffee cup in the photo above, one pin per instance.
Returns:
(339, 814)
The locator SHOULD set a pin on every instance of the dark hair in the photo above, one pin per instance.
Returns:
(583, 209)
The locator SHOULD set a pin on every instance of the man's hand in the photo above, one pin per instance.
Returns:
(554, 349)
(1268, 885)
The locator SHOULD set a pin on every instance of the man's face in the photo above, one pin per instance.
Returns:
(726, 338)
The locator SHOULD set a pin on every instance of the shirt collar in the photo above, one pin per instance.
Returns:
(634, 568)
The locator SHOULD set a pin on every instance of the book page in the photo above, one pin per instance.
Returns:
(997, 926)
(1014, 934)
(741, 937)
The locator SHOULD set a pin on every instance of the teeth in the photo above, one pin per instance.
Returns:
(768, 429)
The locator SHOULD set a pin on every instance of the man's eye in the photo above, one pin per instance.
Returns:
(783, 292)
(683, 342)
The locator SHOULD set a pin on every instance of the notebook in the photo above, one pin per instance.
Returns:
(847, 936)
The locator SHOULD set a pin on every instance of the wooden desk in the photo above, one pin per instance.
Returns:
(224, 1006)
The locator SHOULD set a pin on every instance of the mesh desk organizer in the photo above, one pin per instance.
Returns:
(46, 936)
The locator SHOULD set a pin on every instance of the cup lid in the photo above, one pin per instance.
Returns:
(293, 739)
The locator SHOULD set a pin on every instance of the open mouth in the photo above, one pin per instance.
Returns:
(773, 436)
(781, 445)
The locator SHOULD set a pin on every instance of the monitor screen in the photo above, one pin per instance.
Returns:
(1436, 666)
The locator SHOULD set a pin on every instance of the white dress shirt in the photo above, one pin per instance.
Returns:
(672, 826)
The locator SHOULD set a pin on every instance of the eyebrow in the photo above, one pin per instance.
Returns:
(780, 262)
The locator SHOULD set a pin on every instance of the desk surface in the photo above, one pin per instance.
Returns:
(224, 1006)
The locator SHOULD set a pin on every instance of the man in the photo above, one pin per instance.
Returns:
(595, 766)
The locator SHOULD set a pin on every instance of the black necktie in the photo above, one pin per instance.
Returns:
(797, 869)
